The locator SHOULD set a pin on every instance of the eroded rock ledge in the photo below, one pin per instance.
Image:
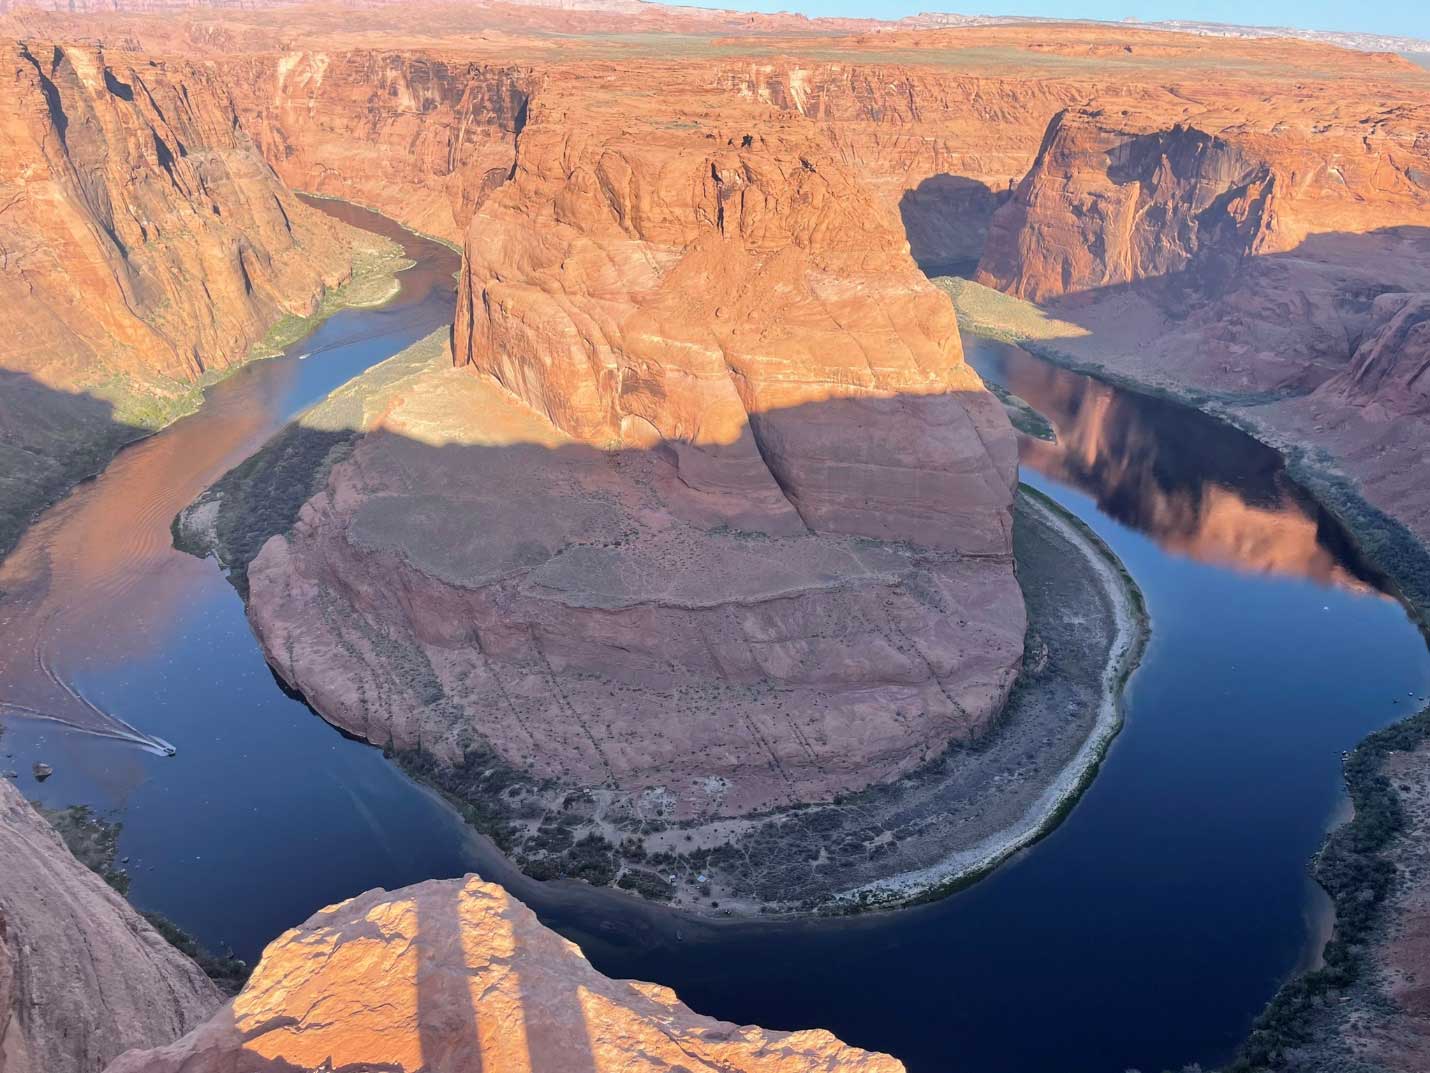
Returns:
(456, 975)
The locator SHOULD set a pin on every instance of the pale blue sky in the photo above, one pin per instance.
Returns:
(1405, 17)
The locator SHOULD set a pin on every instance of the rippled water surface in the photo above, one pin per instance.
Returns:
(1146, 931)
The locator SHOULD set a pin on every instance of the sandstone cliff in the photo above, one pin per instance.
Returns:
(145, 245)
(1103, 205)
(83, 977)
(419, 137)
(701, 359)
(454, 976)
(719, 283)
(1273, 262)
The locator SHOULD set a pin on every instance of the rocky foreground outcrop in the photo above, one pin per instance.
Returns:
(456, 975)
(83, 977)
(144, 245)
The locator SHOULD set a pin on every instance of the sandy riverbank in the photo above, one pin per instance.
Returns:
(1132, 628)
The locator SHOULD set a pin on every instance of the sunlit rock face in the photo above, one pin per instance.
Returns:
(420, 137)
(716, 280)
(1105, 206)
(1120, 195)
(129, 188)
(456, 975)
(144, 243)
(83, 977)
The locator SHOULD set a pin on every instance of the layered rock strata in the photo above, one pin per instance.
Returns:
(711, 517)
(145, 245)
(456, 975)
(421, 137)
(473, 583)
(83, 977)
(1275, 269)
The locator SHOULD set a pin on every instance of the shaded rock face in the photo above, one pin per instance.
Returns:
(1386, 378)
(418, 137)
(143, 244)
(473, 581)
(83, 977)
(456, 975)
(1102, 207)
(698, 285)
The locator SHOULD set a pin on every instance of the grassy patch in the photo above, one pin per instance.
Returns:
(373, 282)
(261, 496)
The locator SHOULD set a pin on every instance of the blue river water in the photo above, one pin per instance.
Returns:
(1145, 932)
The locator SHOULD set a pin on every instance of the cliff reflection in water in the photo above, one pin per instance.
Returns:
(95, 582)
(1199, 487)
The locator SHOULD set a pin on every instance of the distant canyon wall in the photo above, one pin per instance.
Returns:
(144, 243)
(1116, 198)
(416, 136)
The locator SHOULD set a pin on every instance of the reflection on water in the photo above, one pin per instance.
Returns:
(266, 813)
(1199, 487)
(96, 581)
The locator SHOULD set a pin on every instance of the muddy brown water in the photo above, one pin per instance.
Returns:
(1145, 932)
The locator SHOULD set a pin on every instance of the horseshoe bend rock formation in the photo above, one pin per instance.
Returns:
(126, 188)
(542, 617)
(708, 517)
(456, 975)
(83, 977)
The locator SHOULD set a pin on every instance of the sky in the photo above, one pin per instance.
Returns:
(1408, 18)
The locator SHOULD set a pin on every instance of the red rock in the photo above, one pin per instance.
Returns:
(83, 977)
(715, 279)
(450, 976)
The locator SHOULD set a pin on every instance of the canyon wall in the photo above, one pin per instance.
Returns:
(1270, 261)
(145, 245)
(416, 136)
(724, 286)
(1115, 198)
(945, 149)
(450, 976)
(83, 977)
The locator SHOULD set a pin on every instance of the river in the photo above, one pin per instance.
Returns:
(1145, 932)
